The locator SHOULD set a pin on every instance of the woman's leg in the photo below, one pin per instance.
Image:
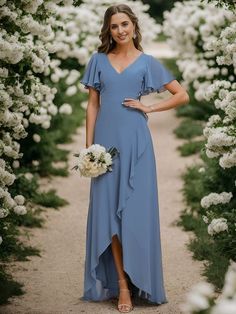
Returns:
(124, 296)
(118, 258)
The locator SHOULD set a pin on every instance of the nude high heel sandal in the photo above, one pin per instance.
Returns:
(124, 307)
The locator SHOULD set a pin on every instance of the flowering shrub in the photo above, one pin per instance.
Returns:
(194, 29)
(204, 37)
(220, 130)
(25, 98)
(230, 4)
(202, 298)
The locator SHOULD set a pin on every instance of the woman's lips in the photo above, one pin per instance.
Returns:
(122, 37)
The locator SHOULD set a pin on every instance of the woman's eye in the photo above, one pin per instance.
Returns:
(115, 26)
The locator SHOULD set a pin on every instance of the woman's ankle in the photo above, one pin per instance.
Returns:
(123, 283)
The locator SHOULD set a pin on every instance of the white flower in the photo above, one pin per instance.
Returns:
(46, 124)
(3, 212)
(29, 176)
(9, 178)
(35, 163)
(9, 201)
(20, 210)
(225, 306)
(94, 161)
(201, 170)
(2, 193)
(19, 199)
(217, 225)
(71, 90)
(3, 72)
(224, 71)
(52, 109)
(1, 240)
(229, 289)
(32, 6)
(72, 77)
(205, 289)
(36, 138)
(211, 154)
(215, 199)
(16, 164)
(195, 302)
(65, 109)
(228, 160)
(108, 159)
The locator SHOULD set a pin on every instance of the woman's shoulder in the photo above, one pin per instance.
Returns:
(150, 56)
(97, 57)
(152, 60)
(97, 54)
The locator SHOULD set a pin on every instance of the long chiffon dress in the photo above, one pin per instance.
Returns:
(125, 201)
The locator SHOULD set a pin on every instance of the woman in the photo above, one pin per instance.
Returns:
(123, 247)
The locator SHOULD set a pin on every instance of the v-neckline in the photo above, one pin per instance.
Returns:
(128, 66)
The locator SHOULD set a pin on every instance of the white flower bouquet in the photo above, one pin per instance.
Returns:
(95, 160)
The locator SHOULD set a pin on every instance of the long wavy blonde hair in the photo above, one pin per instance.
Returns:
(105, 36)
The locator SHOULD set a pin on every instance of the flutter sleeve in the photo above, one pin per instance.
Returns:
(91, 77)
(155, 77)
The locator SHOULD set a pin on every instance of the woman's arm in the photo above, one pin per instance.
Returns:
(91, 115)
(179, 97)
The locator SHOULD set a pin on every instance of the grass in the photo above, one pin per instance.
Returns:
(8, 286)
(193, 188)
(204, 248)
(31, 220)
(49, 199)
(189, 129)
(191, 147)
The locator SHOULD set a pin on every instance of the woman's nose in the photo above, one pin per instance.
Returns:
(120, 29)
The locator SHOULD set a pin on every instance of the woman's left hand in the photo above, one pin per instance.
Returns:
(134, 103)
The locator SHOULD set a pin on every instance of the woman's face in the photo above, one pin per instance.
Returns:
(121, 28)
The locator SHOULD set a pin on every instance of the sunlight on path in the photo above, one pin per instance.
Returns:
(160, 50)
(54, 283)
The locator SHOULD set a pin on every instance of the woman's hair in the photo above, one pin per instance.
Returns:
(105, 35)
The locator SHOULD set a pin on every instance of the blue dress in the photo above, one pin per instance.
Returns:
(124, 201)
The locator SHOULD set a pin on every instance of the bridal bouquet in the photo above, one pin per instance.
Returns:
(95, 160)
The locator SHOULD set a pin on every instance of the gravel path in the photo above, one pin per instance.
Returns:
(54, 282)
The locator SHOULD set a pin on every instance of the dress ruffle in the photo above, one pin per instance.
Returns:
(137, 149)
(156, 76)
(91, 77)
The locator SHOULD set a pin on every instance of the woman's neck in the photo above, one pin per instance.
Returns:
(125, 50)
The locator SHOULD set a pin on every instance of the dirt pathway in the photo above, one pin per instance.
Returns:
(54, 282)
